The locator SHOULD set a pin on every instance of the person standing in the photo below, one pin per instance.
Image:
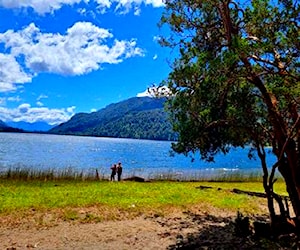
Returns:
(119, 171)
(113, 172)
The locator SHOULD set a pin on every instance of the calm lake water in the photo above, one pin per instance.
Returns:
(144, 158)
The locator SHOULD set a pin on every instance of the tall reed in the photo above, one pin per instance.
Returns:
(51, 174)
(94, 174)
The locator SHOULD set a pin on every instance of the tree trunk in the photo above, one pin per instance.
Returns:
(286, 149)
(289, 171)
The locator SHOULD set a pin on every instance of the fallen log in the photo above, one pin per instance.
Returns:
(251, 193)
(204, 187)
(257, 194)
(135, 178)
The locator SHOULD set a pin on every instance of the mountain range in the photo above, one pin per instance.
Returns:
(32, 127)
(137, 117)
(5, 128)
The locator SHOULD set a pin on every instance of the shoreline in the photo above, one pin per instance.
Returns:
(25, 173)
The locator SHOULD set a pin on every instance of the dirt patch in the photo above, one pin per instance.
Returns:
(125, 234)
(175, 231)
(193, 229)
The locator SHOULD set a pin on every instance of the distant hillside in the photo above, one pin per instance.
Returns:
(138, 117)
(2, 124)
(32, 127)
(5, 128)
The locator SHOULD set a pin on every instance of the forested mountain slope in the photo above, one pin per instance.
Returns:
(137, 117)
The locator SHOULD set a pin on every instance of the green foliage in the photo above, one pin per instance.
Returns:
(236, 79)
(139, 118)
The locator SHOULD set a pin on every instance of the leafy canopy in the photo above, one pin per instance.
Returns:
(237, 68)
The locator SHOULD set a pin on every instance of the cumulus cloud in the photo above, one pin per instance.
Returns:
(81, 50)
(25, 112)
(23, 108)
(42, 7)
(11, 73)
(155, 91)
(38, 6)
(124, 6)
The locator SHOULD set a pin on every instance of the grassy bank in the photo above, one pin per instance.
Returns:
(108, 199)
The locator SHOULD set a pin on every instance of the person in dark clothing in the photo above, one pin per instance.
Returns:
(113, 172)
(119, 170)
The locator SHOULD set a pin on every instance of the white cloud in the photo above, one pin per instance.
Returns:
(23, 108)
(126, 5)
(35, 114)
(11, 73)
(144, 94)
(39, 6)
(104, 4)
(155, 57)
(155, 3)
(156, 38)
(155, 91)
(81, 50)
(39, 98)
(93, 110)
(42, 96)
(39, 103)
(137, 11)
(42, 6)
(71, 109)
(14, 99)
(4, 100)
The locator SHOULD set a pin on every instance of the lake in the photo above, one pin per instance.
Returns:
(143, 158)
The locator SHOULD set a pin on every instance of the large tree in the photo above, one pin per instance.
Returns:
(236, 82)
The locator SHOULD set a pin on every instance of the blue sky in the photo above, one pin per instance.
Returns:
(61, 57)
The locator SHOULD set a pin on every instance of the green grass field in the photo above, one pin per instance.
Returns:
(19, 197)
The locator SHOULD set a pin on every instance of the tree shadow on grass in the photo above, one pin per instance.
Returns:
(222, 233)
